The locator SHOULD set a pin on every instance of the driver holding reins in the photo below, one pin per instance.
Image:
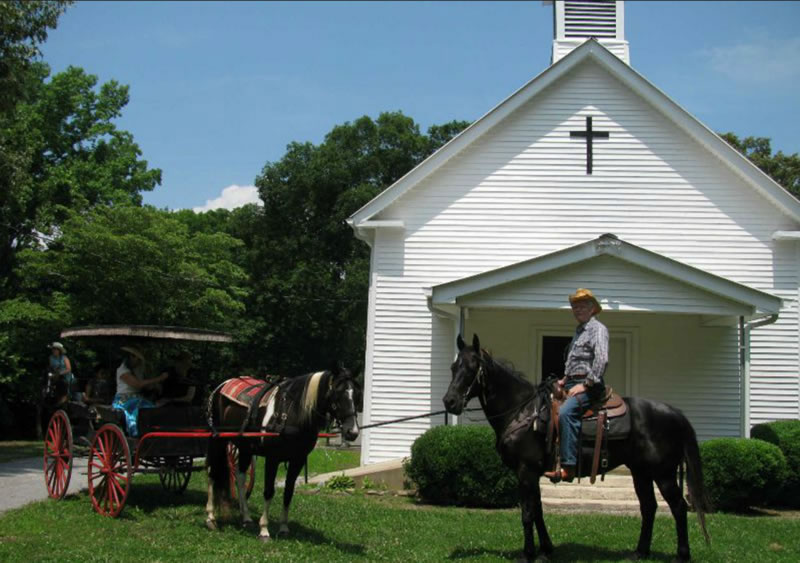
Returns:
(587, 358)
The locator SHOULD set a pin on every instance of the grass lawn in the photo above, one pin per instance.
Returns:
(10, 451)
(328, 526)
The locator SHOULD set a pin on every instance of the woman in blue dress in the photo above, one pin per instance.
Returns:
(130, 384)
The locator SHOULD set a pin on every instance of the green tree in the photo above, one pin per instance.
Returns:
(23, 26)
(309, 301)
(783, 168)
(63, 154)
(115, 265)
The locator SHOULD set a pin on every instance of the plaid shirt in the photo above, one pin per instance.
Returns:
(588, 351)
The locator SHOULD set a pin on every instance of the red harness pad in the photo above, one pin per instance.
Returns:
(243, 390)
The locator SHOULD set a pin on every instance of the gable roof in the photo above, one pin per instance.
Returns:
(590, 50)
(748, 301)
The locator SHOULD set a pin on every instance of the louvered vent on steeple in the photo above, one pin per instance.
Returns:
(590, 19)
(579, 20)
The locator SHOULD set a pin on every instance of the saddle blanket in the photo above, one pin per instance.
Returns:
(244, 390)
(618, 427)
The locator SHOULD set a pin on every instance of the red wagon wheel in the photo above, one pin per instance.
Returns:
(58, 455)
(109, 470)
(233, 464)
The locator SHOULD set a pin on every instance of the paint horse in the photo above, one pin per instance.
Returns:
(661, 438)
(296, 409)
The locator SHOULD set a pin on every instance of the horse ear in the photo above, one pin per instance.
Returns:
(476, 343)
(460, 343)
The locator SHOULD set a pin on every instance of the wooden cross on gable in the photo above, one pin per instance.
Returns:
(589, 134)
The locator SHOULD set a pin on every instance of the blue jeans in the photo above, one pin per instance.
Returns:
(569, 421)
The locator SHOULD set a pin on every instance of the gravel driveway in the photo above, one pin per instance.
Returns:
(22, 481)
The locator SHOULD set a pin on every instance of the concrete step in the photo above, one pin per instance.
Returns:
(614, 489)
(614, 493)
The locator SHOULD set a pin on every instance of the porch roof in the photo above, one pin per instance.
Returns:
(625, 277)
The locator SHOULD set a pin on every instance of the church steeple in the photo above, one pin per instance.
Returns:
(578, 20)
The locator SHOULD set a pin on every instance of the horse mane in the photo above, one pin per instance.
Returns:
(310, 396)
(508, 368)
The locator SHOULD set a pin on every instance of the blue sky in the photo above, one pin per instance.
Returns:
(218, 89)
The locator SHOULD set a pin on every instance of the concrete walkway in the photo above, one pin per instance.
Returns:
(22, 481)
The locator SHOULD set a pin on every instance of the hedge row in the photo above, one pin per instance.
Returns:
(458, 465)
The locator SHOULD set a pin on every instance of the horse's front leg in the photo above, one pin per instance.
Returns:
(295, 465)
(545, 544)
(270, 471)
(530, 498)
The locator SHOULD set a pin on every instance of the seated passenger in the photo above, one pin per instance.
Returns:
(176, 389)
(99, 390)
(130, 385)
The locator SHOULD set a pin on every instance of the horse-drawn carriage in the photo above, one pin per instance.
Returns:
(170, 437)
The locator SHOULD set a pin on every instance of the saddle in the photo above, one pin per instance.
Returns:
(253, 394)
(247, 391)
(606, 419)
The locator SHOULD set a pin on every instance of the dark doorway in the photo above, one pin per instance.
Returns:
(554, 353)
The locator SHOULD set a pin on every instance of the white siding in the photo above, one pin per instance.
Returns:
(620, 285)
(702, 378)
(522, 191)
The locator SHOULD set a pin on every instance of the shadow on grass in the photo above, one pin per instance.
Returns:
(562, 552)
(301, 533)
(150, 497)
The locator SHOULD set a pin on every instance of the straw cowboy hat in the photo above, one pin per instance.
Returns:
(133, 352)
(57, 346)
(585, 295)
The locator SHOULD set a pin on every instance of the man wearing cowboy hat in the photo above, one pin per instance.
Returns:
(586, 363)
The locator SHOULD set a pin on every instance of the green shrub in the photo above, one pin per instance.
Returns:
(739, 473)
(340, 482)
(458, 465)
(786, 435)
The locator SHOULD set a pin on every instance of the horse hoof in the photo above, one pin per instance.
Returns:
(264, 539)
(211, 525)
(283, 532)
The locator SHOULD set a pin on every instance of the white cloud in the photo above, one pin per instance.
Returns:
(758, 60)
(232, 197)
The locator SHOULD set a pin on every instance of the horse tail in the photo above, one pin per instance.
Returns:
(694, 479)
(218, 472)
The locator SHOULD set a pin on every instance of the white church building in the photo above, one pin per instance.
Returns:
(587, 176)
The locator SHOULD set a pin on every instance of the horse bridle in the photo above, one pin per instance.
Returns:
(477, 379)
(334, 409)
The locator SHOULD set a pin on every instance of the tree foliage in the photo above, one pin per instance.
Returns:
(63, 155)
(23, 26)
(116, 265)
(310, 273)
(783, 168)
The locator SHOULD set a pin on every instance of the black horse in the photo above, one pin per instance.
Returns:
(661, 438)
(302, 406)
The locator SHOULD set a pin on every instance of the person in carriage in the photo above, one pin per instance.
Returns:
(131, 385)
(176, 389)
(99, 390)
(61, 370)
